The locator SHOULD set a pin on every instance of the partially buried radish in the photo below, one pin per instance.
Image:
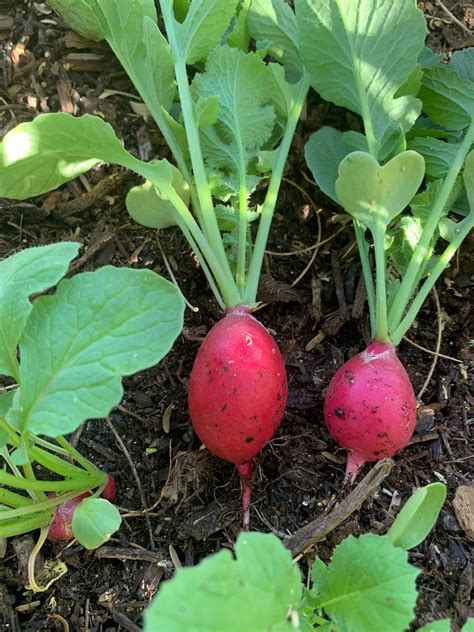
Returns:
(370, 406)
(60, 529)
(237, 392)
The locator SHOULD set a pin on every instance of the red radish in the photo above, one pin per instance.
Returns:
(237, 392)
(370, 406)
(60, 529)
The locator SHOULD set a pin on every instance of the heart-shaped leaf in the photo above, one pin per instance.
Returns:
(375, 194)
(93, 522)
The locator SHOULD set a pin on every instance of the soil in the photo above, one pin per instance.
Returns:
(318, 322)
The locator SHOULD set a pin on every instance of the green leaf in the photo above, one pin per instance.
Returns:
(324, 152)
(462, 62)
(181, 8)
(369, 586)
(423, 202)
(405, 239)
(27, 272)
(443, 625)
(93, 522)
(79, 342)
(418, 516)
(81, 16)
(253, 592)
(372, 193)
(359, 54)
(150, 207)
(245, 118)
(54, 148)
(207, 110)
(430, 59)
(447, 98)
(239, 37)
(468, 626)
(203, 28)
(274, 21)
(438, 155)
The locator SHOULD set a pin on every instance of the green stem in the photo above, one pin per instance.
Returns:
(11, 499)
(434, 275)
(367, 272)
(46, 486)
(381, 328)
(77, 456)
(268, 208)
(406, 288)
(17, 527)
(243, 223)
(44, 506)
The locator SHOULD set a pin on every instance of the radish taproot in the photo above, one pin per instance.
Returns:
(60, 529)
(237, 392)
(370, 406)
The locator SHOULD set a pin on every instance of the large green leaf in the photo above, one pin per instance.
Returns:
(375, 194)
(203, 28)
(54, 148)
(369, 585)
(254, 592)
(273, 21)
(78, 343)
(29, 271)
(462, 62)
(447, 98)
(443, 625)
(417, 516)
(245, 117)
(359, 54)
(324, 152)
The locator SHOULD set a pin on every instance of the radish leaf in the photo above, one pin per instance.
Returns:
(55, 148)
(93, 522)
(27, 272)
(78, 343)
(375, 46)
(81, 16)
(245, 118)
(443, 625)
(447, 98)
(324, 152)
(418, 516)
(462, 62)
(438, 155)
(369, 585)
(255, 591)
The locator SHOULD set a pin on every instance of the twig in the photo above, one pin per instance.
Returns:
(453, 18)
(440, 355)
(300, 251)
(119, 553)
(135, 476)
(438, 344)
(173, 278)
(318, 528)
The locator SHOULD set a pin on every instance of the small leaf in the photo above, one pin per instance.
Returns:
(443, 625)
(256, 590)
(376, 576)
(468, 626)
(274, 21)
(372, 193)
(54, 148)
(406, 236)
(27, 272)
(447, 98)
(374, 44)
(150, 207)
(205, 24)
(79, 342)
(462, 62)
(324, 153)
(418, 516)
(93, 522)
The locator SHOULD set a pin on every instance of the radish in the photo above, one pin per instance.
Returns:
(237, 392)
(60, 529)
(370, 406)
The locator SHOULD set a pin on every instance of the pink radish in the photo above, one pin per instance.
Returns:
(370, 406)
(60, 529)
(237, 392)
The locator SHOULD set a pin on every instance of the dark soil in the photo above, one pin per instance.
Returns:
(47, 68)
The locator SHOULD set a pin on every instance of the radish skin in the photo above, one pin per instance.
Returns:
(237, 392)
(370, 406)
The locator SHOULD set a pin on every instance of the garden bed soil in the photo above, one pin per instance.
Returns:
(312, 304)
